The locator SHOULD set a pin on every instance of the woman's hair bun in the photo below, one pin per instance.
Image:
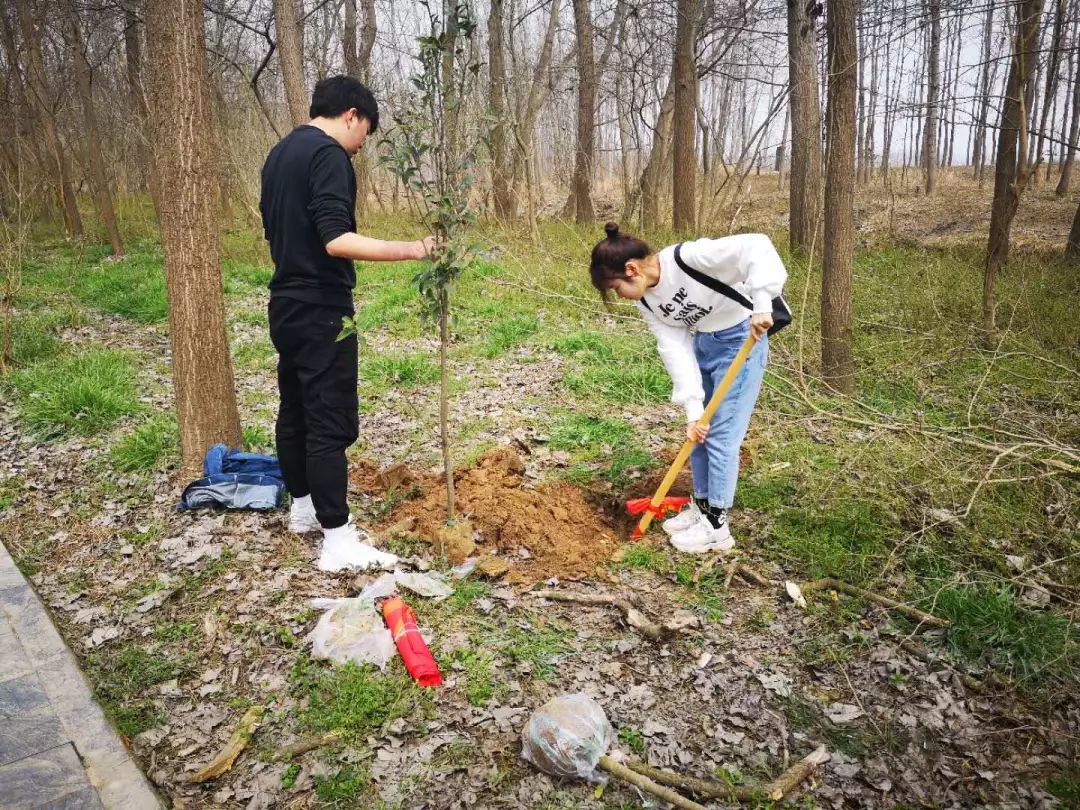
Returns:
(612, 229)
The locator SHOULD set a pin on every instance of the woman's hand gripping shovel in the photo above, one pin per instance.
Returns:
(660, 504)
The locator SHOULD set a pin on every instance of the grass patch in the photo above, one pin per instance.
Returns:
(632, 739)
(589, 346)
(343, 788)
(992, 628)
(479, 668)
(82, 394)
(152, 445)
(846, 542)
(355, 700)
(508, 333)
(540, 646)
(133, 287)
(120, 677)
(623, 384)
(399, 371)
(387, 306)
(589, 435)
(242, 277)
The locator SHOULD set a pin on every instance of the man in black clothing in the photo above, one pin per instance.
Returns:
(307, 204)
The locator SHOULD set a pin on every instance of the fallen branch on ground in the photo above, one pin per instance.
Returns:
(707, 789)
(843, 587)
(643, 782)
(634, 617)
(233, 748)
(970, 681)
(305, 744)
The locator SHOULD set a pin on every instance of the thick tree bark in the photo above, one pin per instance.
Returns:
(290, 48)
(1074, 133)
(96, 163)
(1072, 247)
(184, 156)
(1012, 169)
(500, 169)
(585, 149)
(659, 154)
(837, 354)
(32, 27)
(805, 190)
(933, 99)
(684, 77)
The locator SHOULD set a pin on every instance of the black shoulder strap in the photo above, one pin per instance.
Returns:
(712, 283)
(644, 303)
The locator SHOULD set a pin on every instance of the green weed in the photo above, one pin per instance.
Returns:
(847, 541)
(589, 435)
(344, 788)
(133, 287)
(467, 591)
(479, 667)
(633, 739)
(399, 371)
(625, 383)
(258, 439)
(152, 445)
(119, 678)
(81, 394)
(508, 333)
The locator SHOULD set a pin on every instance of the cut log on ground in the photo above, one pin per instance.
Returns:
(775, 790)
(305, 744)
(907, 610)
(646, 784)
(233, 748)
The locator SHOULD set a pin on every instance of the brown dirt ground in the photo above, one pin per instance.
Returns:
(564, 535)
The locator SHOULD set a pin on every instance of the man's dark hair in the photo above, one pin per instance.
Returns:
(335, 95)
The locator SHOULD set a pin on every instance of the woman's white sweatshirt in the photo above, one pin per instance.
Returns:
(680, 305)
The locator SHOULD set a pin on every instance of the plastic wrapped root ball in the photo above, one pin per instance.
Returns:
(567, 736)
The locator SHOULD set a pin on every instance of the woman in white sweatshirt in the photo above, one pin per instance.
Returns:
(698, 333)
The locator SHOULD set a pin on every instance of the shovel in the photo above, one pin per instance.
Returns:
(660, 503)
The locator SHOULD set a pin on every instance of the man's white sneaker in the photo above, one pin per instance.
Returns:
(302, 521)
(342, 549)
(684, 520)
(702, 538)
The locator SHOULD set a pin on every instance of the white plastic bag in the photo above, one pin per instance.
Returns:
(351, 630)
(567, 736)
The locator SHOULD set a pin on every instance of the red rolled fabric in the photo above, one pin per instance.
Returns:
(414, 652)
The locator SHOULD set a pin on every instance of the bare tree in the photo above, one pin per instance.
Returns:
(32, 27)
(184, 156)
(805, 191)
(1072, 246)
(585, 149)
(500, 170)
(837, 354)
(1074, 130)
(358, 61)
(1012, 169)
(684, 78)
(99, 180)
(290, 48)
(1053, 67)
(933, 98)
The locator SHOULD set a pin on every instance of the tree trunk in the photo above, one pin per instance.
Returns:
(290, 48)
(451, 111)
(348, 40)
(1052, 67)
(500, 170)
(652, 174)
(1072, 247)
(837, 354)
(1012, 169)
(933, 99)
(586, 114)
(684, 77)
(33, 29)
(189, 218)
(133, 75)
(96, 164)
(805, 179)
(1074, 134)
(444, 402)
(860, 135)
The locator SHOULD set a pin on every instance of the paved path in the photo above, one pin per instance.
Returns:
(57, 750)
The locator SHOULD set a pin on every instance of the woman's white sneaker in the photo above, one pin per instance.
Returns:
(702, 538)
(684, 520)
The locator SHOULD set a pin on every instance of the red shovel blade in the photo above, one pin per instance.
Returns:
(637, 506)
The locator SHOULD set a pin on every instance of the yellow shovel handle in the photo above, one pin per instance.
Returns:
(706, 418)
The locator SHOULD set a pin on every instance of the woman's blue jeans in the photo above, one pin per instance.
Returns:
(715, 463)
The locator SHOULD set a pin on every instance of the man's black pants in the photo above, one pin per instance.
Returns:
(319, 414)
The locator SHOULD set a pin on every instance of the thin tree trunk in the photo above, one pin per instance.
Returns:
(1074, 133)
(585, 149)
(1012, 168)
(33, 29)
(933, 99)
(500, 170)
(99, 181)
(658, 156)
(860, 136)
(290, 48)
(348, 40)
(189, 216)
(837, 353)
(805, 190)
(444, 402)
(1053, 66)
(684, 77)
(133, 75)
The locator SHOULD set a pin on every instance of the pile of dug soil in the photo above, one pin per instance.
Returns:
(544, 532)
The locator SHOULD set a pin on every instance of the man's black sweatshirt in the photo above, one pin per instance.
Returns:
(308, 199)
